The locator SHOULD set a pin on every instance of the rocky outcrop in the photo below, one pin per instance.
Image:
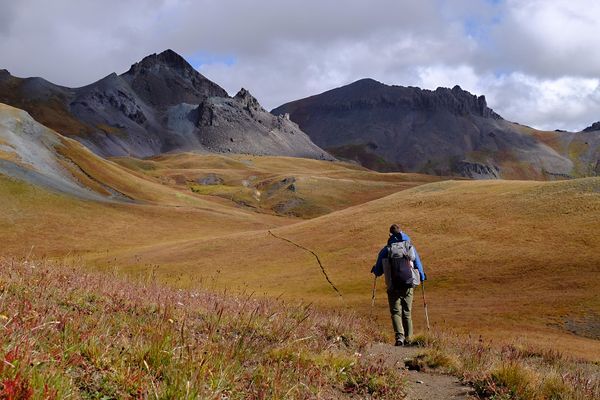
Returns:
(224, 124)
(210, 179)
(477, 170)
(249, 102)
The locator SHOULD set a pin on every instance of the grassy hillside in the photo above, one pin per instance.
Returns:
(50, 224)
(276, 185)
(161, 207)
(66, 334)
(505, 259)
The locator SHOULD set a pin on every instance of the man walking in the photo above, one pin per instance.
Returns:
(401, 265)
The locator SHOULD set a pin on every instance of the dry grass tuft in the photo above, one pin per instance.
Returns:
(511, 371)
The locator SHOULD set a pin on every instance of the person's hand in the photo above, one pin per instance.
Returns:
(373, 269)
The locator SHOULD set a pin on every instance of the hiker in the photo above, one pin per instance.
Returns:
(401, 265)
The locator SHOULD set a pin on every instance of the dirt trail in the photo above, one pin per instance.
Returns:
(421, 385)
(316, 257)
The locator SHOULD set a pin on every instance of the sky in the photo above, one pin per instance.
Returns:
(536, 61)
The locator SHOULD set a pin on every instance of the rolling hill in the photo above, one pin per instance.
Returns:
(497, 252)
(443, 132)
(509, 260)
(277, 185)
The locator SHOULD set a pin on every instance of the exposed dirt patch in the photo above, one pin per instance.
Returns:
(420, 385)
(586, 326)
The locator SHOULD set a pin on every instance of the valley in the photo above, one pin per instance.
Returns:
(159, 183)
(490, 248)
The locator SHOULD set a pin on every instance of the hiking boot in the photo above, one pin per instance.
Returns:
(399, 342)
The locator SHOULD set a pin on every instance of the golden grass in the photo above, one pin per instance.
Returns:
(505, 259)
(319, 187)
(54, 224)
(513, 370)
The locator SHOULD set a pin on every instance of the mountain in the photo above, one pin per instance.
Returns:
(445, 131)
(161, 104)
(593, 127)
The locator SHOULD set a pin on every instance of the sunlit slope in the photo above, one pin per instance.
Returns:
(53, 224)
(33, 153)
(508, 259)
(277, 185)
(59, 198)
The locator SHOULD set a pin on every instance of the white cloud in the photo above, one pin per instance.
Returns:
(536, 61)
(563, 103)
(436, 76)
(551, 38)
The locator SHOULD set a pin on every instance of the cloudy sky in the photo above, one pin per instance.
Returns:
(537, 61)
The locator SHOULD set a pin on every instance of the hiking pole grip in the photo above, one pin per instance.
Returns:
(425, 305)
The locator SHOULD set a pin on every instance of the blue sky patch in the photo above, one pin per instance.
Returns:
(201, 58)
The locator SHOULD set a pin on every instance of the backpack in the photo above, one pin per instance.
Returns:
(401, 256)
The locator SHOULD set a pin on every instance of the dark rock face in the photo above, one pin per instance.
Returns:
(477, 170)
(594, 127)
(166, 79)
(160, 104)
(444, 131)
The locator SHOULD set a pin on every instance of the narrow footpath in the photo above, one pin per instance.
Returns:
(421, 385)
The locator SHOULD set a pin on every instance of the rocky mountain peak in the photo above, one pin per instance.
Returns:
(166, 79)
(167, 58)
(249, 102)
(4, 74)
(368, 83)
(593, 127)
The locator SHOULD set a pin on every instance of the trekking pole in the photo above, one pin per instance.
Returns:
(373, 295)
(425, 304)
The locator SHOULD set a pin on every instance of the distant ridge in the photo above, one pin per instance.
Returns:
(443, 131)
(155, 107)
(593, 127)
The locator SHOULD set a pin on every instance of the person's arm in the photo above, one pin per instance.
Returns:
(419, 265)
(378, 267)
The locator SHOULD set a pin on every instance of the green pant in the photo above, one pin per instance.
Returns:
(400, 305)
